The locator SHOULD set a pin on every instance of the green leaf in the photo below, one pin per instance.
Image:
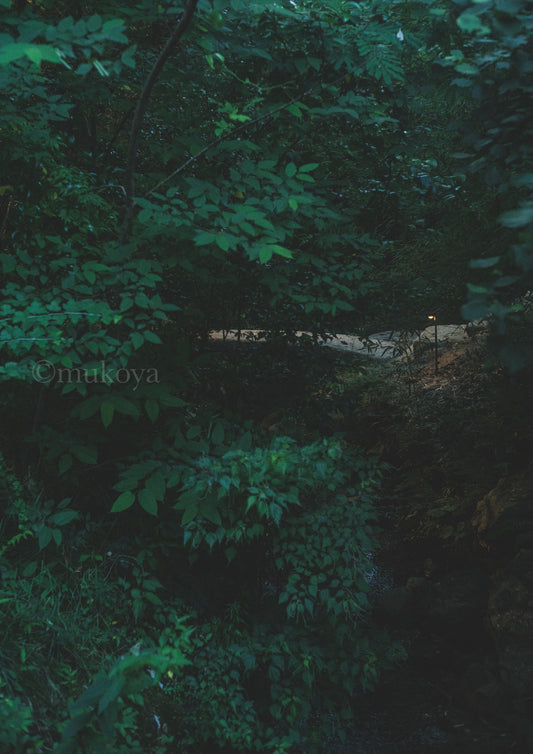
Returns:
(479, 264)
(171, 400)
(65, 462)
(230, 553)
(113, 24)
(125, 406)
(148, 501)
(152, 337)
(127, 56)
(85, 454)
(94, 22)
(83, 69)
(266, 252)
(189, 514)
(107, 410)
(467, 69)
(142, 300)
(174, 479)
(211, 513)
(217, 436)
(517, 218)
(478, 290)
(282, 251)
(203, 238)
(63, 517)
(463, 83)
(156, 485)
(123, 502)
(187, 499)
(309, 167)
(152, 409)
(223, 242)
(45, 537)
(36, 53)
(470, 22)
(506, 280)
(137, 339)
(291, 170)
(295, 110)
(245, 441)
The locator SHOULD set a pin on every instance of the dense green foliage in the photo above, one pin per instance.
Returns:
(174, 576)
(496, 66)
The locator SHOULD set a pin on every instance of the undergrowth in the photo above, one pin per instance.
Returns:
(238, 621)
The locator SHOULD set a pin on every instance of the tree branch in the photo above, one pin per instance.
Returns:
(4, 221)
(220, 139)
(118, 129)
(140, 110)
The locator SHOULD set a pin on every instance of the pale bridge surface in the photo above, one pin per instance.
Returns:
(389, 344)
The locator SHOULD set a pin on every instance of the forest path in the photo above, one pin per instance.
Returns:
(389, 344)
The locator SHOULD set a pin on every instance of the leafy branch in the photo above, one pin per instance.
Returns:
(220, 139)
(237, 130)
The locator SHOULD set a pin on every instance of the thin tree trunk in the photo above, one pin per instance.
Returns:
(140, 110)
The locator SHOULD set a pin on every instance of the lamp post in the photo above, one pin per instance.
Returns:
(434, 318)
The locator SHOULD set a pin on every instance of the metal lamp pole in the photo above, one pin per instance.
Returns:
(434, 318)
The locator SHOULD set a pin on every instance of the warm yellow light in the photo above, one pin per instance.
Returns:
(431, 316)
